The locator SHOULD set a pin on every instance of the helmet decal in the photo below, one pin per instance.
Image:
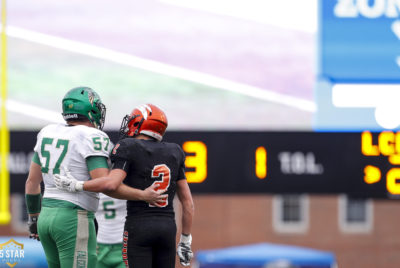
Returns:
(143, 109)
(91, 97)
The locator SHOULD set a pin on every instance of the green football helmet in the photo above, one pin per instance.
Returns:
(84, 101)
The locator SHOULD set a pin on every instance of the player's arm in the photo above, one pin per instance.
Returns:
(107, 182)
(99, 174)
(104, 180)
(33, 195)
(184, 247)
(125, 192)
(185, 197)
(112, 185)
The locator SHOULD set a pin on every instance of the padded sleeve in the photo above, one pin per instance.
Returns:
(93, 162)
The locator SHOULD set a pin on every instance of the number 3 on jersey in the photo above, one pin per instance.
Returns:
(165, 173)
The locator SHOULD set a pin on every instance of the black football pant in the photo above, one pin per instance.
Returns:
(150, 242)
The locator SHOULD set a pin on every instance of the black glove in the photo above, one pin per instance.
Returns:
(32, 224)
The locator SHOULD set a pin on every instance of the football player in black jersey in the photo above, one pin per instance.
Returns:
(140, 159)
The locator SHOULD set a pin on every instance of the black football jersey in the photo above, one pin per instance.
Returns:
(147, 162)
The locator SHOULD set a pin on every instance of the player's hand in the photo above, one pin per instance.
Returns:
(153, 196)
(32, 224)
(67, 182)
(184, 250)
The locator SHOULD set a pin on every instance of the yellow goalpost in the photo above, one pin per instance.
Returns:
(5, 215)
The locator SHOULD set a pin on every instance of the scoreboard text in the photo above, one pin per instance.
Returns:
(365, 164)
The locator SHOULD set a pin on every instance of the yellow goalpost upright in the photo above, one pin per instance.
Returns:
(5, 215)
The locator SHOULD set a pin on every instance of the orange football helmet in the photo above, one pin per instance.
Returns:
(147, 119)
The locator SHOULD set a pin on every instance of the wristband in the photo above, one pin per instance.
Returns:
(33, 203)
(79, 186)
(32, 219)
(186, 239)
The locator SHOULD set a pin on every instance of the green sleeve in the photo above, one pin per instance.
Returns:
(35, 159)
(93, 162)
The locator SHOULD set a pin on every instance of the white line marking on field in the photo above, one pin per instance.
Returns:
(34, 111)
(161, 68)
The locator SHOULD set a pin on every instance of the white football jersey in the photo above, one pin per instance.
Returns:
(111, 219)
(60, 146)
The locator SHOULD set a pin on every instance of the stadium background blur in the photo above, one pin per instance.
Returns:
(226, 73)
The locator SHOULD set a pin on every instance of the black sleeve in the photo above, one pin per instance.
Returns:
(181, 170)
(120, 156)
(121, 164)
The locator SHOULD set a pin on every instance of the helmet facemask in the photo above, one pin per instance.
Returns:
(102, 108)
(127, 124)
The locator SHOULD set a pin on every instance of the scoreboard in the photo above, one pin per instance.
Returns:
(364, 164)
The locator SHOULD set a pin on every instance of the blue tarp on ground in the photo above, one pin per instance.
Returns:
(260, 255)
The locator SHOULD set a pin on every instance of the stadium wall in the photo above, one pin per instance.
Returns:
(231, 220)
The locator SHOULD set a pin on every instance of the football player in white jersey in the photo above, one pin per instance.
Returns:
(66, 222)
(111, 219)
